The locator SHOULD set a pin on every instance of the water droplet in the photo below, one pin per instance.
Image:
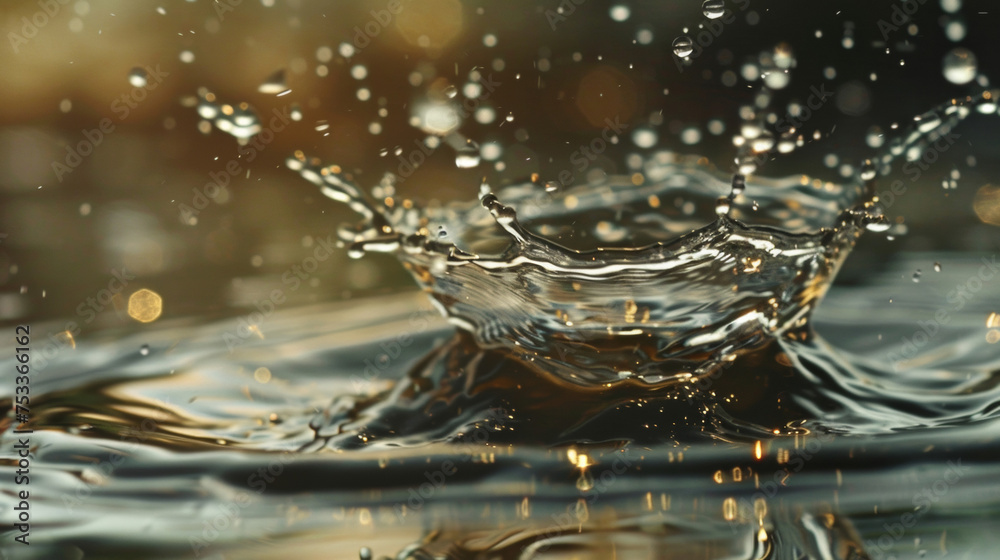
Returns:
(137, 77)
(867, 170)
(620, 12)
(365, 553)
(951, 6)
(747, 165)
(874, 138)
(955, 30)
(451, 92)
(274, 84)
(937, 267)
(683, 46)
(750, 130)
(144, 350)
(713, 9)
(787, 144)
(722, 206)
(442, 232)
(359, 71)
(644, 137)
(960, 66)
(878, 224)
(467, 156)
(739, 184)
(690, 136)
(916, 275)
(927, 121)
(763, 142)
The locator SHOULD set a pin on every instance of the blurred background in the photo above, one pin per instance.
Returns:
(119, 116)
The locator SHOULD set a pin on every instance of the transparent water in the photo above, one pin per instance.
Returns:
(652, 367)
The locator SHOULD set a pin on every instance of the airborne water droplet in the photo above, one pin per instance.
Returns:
(867, 170)
(722, 206)
(878, 225)
(747, 165)
(713, 9)
(683, 46)
(620, 12)
(874, 138)
(467, 156)
(739, 184)
(144, 350)
(960, 66)
(137, 77)
(916, 276)
(927, 121)
(274, 84)
(763, 143)
(937, 267)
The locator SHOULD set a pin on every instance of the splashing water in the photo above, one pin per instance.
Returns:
(628, 367)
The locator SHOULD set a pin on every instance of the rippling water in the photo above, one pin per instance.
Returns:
(655, 364)
(185, 435)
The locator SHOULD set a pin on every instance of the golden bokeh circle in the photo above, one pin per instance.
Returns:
(145, 306)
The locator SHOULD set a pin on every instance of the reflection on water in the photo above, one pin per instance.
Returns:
(640, 355)
(217, 444)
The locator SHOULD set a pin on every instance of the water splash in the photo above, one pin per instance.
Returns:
(675, 301)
